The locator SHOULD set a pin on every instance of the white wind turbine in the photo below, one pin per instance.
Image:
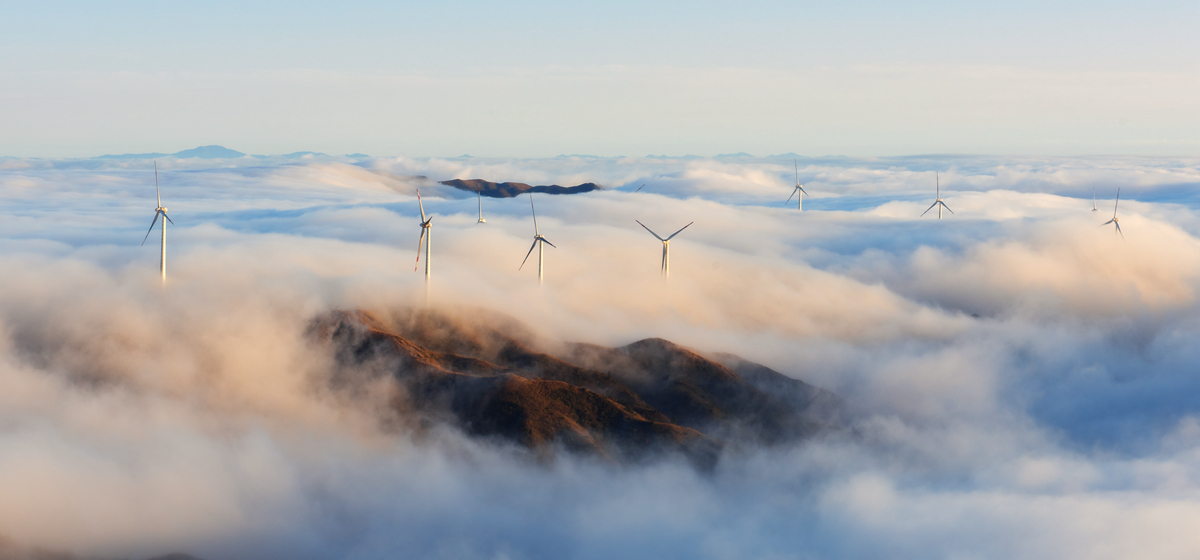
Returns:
(1114, 221)
(426, 239)
(1094, 209)
(537, 238)
(666, 260)
(162, 264)
(481, 220)
(799, 188)
(938, 202)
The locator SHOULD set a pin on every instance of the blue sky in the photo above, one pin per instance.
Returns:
(540, 78)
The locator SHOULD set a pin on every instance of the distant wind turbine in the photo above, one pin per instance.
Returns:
(481, 220)
(799, 188)
(666, 260)
(537, 239)
(1094, 198)
(162, 264)
(938, 202)
(1114, 221)
(426, 239)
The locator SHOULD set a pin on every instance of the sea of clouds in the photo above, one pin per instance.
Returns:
(1023, 382)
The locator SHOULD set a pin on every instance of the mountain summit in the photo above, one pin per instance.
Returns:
(509, 190)
(478, 373)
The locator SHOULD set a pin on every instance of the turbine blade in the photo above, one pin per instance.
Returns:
(650, 230)
(791, 195)
(534, 210)
(802, 190)
(157, 192)
(151, 228)
(640, 188)
(796, 165)
(1106, 223)
(422, 205)
(931, 207)
(531, 247)
(1118, 201)
(1118, 224)
(938, 181)
(420, 242)
(946, 207)
(544, 240)
(677, 233)
(168, 218)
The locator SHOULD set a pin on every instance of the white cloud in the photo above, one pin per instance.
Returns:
(136, 420)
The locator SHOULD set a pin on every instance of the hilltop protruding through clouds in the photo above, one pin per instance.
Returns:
(510, 189)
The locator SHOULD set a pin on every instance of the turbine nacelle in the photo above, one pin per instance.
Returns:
(799, 189)
(938, 203)
(666, 259)
(159, 210)
(537, 238)
(1116, 222)
(424, 241)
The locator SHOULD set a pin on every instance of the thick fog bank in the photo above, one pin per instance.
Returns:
(1022, 380)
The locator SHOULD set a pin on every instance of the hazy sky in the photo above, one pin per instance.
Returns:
(614, 78)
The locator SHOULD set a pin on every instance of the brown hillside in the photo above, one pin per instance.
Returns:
(480, 372)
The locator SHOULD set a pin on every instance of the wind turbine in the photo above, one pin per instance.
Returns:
(1114, 221)
(481, 220)
(537, 238)
(426, 239)
(162, 264)
(1094, 198)
(666, 260)
(938, 202)
(799, 188)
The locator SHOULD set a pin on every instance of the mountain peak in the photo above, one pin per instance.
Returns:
(481, 373)
(209, 152)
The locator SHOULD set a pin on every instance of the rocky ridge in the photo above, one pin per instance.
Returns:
(509, 190)
(479, 373)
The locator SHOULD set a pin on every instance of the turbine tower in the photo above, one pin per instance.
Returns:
(537, 239)
(938, 202)
(426, 239)
(162, 263)
(481, 220)
(666, 260)
(1114, 221)
(799, 188)
(1094, 198)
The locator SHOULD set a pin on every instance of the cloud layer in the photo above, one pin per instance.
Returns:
(1022, 379)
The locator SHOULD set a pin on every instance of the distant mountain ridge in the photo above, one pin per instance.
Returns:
(509, 190)
(203, 152)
